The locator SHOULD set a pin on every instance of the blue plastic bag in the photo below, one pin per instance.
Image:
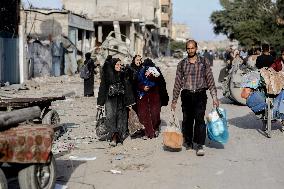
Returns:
(217, 129)
(256, 101)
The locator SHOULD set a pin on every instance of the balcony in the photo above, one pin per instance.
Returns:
(164, 31)
(165, 17)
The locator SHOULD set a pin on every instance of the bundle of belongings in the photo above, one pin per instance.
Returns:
(217, 129)
(258, 85)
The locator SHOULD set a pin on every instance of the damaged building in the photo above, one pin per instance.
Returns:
(32, 40)
(55, 38)
(36, 39)
(165, 30)
(139, 21)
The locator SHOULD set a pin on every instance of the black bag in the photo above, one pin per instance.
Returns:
(85, 72)
(101, 129)
(116, 89)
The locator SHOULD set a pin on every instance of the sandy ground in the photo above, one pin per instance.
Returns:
(248, 161)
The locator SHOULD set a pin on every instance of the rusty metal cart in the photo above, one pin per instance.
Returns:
(48, 116)
(28, 147)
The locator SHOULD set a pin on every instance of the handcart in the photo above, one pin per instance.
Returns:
(48, 116)
(27, 149)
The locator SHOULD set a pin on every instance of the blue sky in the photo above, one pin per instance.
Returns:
(44, 3)
(194, 13)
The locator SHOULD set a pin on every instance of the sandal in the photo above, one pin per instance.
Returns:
(113, 142)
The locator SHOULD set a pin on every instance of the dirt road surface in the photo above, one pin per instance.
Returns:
(248, 161)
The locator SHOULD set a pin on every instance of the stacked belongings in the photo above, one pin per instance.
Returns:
(274, 82)
(255, 98)
(258, 85)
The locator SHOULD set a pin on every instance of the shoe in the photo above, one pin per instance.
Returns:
(156, 134)
(113, 143)
(188, 146)
(144, 137)
(200, 151)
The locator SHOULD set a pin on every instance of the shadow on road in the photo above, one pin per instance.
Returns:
(65, 169)
(212, 144)
(225, 100)
(250, 121)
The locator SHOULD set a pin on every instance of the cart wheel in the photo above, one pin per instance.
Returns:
(235, 93)
(3, 180)
(38, 176)
(50, 117)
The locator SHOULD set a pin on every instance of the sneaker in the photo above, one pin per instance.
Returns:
(188, 146)
(113, 143)
(156, 134)
(144, 137)
(200, 151)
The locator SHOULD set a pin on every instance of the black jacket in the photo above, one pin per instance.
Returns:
(110, 76)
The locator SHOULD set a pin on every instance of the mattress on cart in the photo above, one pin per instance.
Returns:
(26, 144)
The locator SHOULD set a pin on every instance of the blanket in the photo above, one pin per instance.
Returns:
(274, 81)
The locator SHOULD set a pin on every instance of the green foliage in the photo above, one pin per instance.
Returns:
(251, 22)
(177, 45)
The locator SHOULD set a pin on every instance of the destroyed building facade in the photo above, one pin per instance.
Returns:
(58, 35)
(138, 20)
(180, 32)
(43, 36)
(165, 30)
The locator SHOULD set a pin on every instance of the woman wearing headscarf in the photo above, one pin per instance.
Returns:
(151, 87)
(132, 75)
(278, 64)
(115, 95)
(89, 83)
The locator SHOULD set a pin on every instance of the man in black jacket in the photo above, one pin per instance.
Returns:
(265, 59)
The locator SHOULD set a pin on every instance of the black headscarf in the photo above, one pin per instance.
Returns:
(133, 65)
(148, 63)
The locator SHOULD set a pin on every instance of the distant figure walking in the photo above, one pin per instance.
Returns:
(265, 59)
(89, 83)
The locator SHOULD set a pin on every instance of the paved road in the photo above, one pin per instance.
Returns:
(248, 161)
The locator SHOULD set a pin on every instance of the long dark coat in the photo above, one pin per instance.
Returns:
(132, 76)
(149, 106)
(89, 83)
(116, 106)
